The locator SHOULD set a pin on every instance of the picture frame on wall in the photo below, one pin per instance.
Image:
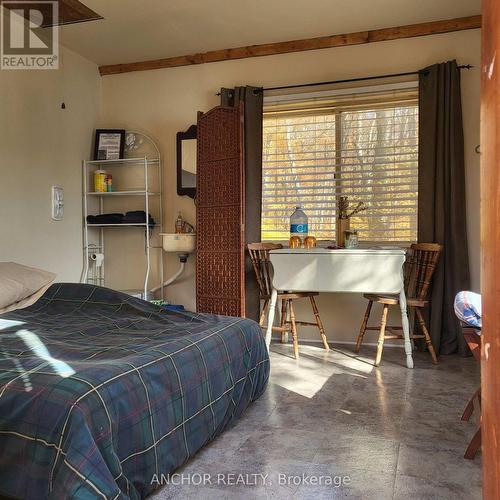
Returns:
(109, 144)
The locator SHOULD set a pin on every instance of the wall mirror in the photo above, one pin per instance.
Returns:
(186, 162)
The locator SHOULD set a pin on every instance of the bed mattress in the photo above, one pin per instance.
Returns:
(100, 392)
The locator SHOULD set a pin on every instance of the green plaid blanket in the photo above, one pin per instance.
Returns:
(99, 391)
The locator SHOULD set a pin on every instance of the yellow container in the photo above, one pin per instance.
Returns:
(310, 242)
(100, 181)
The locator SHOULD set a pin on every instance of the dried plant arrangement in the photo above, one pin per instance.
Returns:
(359, 208)
(343, 208)
(344, 218)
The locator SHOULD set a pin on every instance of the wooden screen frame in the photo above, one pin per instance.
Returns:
(221, 261)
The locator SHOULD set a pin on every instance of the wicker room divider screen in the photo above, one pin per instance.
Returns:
(220, 212)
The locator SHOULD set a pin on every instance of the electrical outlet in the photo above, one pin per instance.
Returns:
(57, 203)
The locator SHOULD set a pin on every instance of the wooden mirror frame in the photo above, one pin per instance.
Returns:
(190, 133)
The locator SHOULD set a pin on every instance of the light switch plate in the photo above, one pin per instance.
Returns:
(57, 203)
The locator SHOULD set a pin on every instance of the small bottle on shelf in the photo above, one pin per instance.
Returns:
(109, 183)
(179, 224)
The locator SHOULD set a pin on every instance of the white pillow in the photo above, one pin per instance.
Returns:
(21, 286)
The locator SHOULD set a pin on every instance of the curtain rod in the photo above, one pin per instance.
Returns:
(463, 66)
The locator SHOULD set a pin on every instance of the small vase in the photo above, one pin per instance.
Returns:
(342, 226)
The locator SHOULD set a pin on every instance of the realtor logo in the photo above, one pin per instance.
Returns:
(29, 34)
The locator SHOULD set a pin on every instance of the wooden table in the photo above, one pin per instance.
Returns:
(346, 271)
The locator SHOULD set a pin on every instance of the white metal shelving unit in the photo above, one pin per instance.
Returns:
(89, 236)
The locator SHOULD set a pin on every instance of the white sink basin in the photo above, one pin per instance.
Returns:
(179, 243)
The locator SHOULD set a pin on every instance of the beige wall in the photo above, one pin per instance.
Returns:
(164, 102)
(42, 145)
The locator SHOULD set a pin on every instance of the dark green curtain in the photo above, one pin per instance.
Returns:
(441, 197)
(252, 97)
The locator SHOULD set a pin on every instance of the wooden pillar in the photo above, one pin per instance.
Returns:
(490, 240)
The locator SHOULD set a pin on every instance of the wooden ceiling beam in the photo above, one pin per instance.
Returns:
(268, 49)
(70, 12)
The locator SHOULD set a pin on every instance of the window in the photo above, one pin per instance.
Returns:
(363, 146)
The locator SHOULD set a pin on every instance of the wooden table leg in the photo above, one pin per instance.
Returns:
(270, 319)
(406, 324)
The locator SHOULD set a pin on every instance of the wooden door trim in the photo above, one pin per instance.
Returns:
(490, 246)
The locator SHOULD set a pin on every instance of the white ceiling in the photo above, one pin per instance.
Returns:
(137, 30)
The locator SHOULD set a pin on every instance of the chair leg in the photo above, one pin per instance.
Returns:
(380, 345)
(474, 445)
(283, 320)
(469, 409)
(362, 330)
(428, 341)
(319, 323)
(294, 329)
(263, 313)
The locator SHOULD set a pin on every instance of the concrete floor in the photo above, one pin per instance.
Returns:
(382, 433)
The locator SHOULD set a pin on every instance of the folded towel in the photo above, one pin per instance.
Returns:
(137, 217)
(105, 219)
(133, 217)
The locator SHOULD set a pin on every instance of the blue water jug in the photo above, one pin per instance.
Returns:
(299, 224)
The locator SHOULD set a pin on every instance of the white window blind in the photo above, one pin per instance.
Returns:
(365, 149)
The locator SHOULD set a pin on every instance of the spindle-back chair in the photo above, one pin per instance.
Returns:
(419, 269)
(259, 254)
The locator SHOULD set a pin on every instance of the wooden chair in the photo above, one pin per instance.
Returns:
(259, 253)
(419, 268)
(473, 340)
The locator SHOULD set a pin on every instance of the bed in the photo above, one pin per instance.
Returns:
(100, 392)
